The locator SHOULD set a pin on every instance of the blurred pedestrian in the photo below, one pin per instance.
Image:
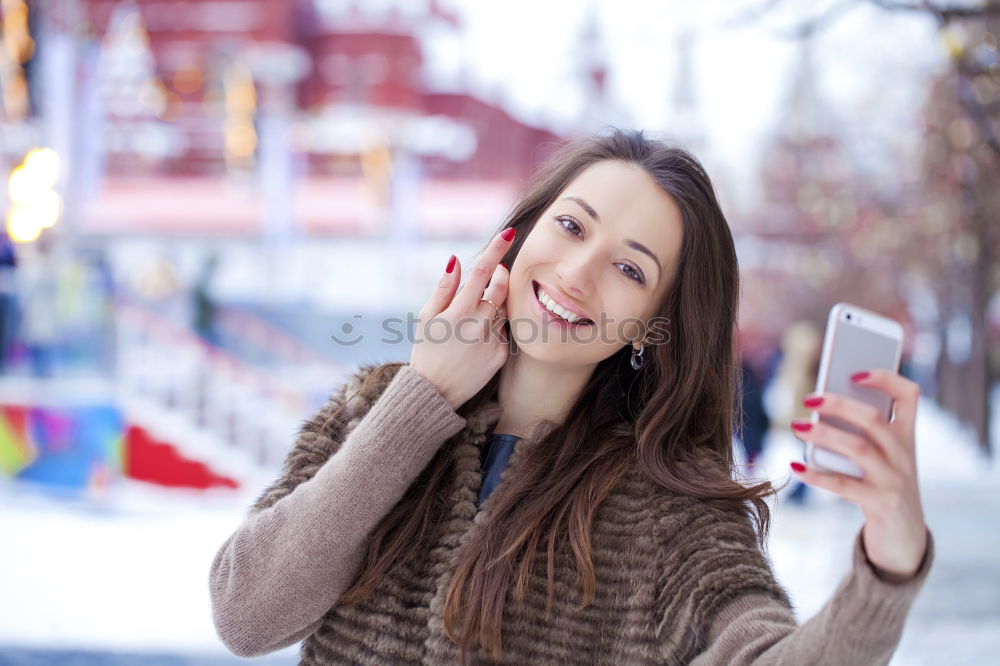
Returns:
(8, 296)
(755, 422)
(796, 376)
(38, 287)
(204, 304)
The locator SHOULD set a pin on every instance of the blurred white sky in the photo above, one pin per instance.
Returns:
(872, 65)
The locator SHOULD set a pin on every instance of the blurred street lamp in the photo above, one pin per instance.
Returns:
(241, 105)
(376, 165)
(35, 205)
(18, 48)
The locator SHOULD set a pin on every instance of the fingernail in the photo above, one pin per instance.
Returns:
(802, 426)
(812, 400)
(798, 467)
(504, 265)
(451, 264)
(508, 233)
(858, 376)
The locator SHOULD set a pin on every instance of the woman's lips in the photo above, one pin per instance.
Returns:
(550, 316)
(565, 304)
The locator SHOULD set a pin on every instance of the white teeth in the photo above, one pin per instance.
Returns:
(555, 308)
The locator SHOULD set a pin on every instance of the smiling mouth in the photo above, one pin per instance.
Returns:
(581, 321)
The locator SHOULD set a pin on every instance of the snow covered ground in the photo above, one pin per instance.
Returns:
(124, 579)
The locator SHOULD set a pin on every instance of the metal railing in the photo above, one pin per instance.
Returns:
(248, 409)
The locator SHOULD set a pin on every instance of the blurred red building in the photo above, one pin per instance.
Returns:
(352, 76)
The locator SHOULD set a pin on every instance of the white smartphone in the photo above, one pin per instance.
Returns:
(856, 339)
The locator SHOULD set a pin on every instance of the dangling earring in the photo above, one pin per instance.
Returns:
(637, 357)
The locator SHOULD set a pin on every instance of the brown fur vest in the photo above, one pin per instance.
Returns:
(664, 565)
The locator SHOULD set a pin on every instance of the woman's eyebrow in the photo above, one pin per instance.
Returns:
(586, 206)
(635, 245)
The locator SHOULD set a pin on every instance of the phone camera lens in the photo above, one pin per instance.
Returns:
(848, 316)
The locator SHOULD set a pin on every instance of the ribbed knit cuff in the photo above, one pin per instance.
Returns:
(861, 623)
(861, 561)
(875, 605)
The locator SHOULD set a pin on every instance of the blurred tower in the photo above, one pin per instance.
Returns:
(802, 179)
(806, 117)
(686, 125)
(600, 109)
(804, 168)
(821, 233)
(133, 96)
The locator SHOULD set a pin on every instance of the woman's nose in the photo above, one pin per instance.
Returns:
(575, 273)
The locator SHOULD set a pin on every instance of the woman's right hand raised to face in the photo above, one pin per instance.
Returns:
(459, 346)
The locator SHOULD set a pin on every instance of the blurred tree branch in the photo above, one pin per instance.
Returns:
(800, 29)
(944, 13)
(949, 236)
(968, 64)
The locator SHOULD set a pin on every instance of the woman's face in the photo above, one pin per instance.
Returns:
(607, 249)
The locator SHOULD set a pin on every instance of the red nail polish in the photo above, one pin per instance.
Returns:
(858, 376)
(798, 467)
(508, 233)
(813, 401)
(505, 266)
(451, 264)
(802, 426)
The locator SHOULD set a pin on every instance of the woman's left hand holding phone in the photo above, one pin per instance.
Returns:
(894, 533)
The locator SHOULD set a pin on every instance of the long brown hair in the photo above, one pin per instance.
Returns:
(675, 416)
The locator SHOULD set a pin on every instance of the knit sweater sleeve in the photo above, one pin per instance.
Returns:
(302, 544)
(860, 624)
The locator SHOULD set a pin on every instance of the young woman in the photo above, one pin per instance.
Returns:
(556, 485)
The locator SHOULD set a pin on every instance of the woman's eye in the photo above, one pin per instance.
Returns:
(560, 220)
(634, 274)
(630, 271)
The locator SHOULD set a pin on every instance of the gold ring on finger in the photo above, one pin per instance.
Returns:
(498, 310)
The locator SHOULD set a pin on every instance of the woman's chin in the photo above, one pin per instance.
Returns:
(553, 351)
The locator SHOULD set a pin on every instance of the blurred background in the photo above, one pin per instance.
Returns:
(214, 211)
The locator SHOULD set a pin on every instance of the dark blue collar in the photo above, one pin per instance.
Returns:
(493, 458)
